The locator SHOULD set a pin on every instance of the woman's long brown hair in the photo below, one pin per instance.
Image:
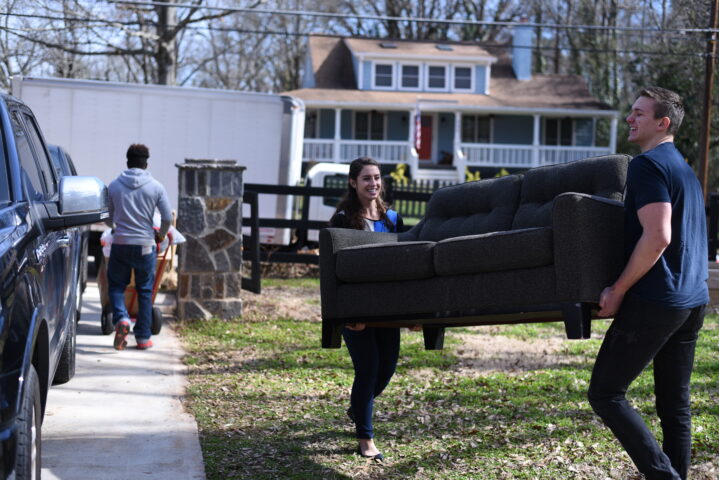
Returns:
(350, 203)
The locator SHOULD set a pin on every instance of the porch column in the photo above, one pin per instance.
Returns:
(413, 162)
(613, 135)
(460, 160)
(535, 140)
(336, 157)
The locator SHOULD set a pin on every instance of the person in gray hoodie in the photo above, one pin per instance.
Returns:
(134, 196)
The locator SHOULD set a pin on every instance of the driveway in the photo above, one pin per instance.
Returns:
(121, 416)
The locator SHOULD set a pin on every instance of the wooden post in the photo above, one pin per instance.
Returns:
(706, 114)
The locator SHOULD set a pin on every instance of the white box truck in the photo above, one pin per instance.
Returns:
(95, 121)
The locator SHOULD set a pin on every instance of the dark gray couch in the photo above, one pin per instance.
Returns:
(537, 246)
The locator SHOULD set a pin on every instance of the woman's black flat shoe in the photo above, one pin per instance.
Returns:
(379, 457)
(351, 414)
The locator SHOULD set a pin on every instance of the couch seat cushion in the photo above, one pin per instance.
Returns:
(492, 252)
(386, 262)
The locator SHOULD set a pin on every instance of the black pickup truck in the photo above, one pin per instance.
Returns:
(38, 212)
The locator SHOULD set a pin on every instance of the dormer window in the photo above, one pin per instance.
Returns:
(436, 77)
(410, 77)
(383, 75)
(462, 78)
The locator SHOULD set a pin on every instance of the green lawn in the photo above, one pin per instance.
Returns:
(270, 405)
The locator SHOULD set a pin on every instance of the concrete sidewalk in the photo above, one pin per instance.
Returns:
(121, 416)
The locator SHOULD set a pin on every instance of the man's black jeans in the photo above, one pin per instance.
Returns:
(642, 332)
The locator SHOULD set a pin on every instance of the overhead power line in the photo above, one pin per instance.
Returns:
(22, 32)
(631, 33)
(310, 13)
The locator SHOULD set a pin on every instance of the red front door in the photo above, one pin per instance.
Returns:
(425, 147)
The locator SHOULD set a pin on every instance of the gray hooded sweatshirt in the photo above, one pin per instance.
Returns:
(133, 198)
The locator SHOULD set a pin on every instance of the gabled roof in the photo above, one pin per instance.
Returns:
(331, 63)
(335, 83)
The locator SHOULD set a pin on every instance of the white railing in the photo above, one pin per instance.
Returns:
(497, 155)
(475, 154)
(345, 151)
(318, 150)
(524, 156)
(550, 155)
(382, 151)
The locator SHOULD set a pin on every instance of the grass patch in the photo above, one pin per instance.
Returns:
(270, 405)
(292, 282)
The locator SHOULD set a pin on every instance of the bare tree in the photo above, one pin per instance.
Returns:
(145, 36)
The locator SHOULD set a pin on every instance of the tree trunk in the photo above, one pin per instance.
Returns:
(166, 56)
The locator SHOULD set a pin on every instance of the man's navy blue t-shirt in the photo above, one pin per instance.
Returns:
(679, 278)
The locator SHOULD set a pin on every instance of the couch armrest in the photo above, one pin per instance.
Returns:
(588, 245)
(332, 240)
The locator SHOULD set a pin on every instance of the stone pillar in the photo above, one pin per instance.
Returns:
(210, 217)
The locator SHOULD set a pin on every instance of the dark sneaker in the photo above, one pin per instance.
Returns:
(144, 344)
(122, 328)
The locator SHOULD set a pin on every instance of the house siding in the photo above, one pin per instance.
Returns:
(584, 132)
(445, 134)
(346, 129)
(326, 119)
(480, 79)
(366, 81)
(397, 126)
(513, 129)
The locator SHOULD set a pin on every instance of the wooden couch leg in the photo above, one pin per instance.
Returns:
(577, 320)
(331, 334)
(433, 338)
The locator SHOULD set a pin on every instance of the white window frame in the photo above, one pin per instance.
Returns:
(316, 113)
(476, 116)
(427, 78)
(369, 125)
(393, 65)
(559, 131)
(400, 76)
(471, 78)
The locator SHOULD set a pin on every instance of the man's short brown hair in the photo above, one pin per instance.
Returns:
(137, 155)
(666, 104)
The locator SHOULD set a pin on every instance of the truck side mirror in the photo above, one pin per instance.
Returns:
(82, 200)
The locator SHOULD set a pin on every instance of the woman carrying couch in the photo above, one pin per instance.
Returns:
(374, 351)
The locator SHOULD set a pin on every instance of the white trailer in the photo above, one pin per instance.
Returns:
(96, 121)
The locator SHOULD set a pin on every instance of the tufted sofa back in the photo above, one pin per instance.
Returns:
(516, 201)
(468, 209)
(603, 176)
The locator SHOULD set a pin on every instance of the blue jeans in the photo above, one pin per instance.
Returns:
(641, 332)
(123, 260)
(374, 353)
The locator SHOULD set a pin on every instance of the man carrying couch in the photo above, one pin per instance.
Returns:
(659, 300)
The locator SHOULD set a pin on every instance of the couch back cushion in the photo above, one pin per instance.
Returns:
(603, 176)
(468, 209)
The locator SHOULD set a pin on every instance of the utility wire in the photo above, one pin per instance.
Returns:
(310, 13)
(22, 31)
(627, 34)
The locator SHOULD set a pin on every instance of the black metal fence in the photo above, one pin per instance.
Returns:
(408, 199)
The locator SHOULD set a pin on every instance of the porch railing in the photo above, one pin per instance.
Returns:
(474, 154)
(524, 156)
(321, 150)
(549, 155)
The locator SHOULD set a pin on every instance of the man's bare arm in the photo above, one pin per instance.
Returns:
(656, 221)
